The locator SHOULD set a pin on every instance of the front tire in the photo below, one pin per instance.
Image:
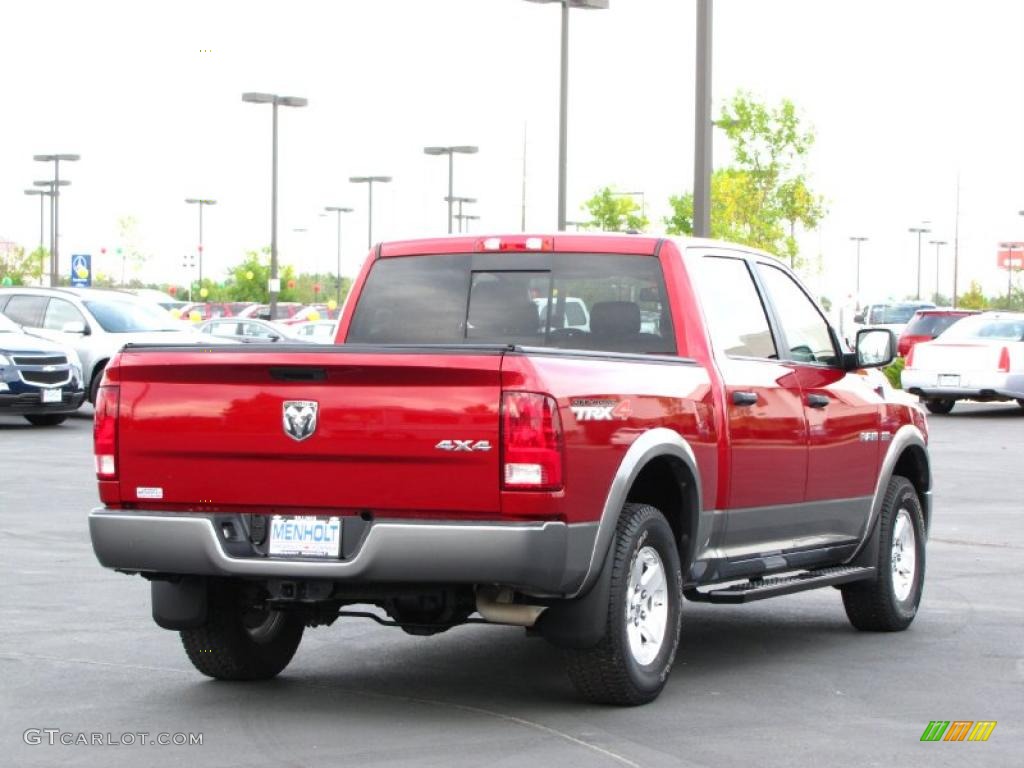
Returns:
(46, 419)
(242, 640)
(940, 406)
(889, 602)
(631, 663)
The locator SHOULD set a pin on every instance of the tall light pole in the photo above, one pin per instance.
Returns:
(41, 193)
(563, 99)
(858, 240)
(284, 101)
(202, 203)
(50, 185)
(938, 244)
(1010, 248)
(369, 181)
(702, 159)
(465, 149)
(55, 214)
(920, 231)
(460, 201)
(338, 210)
(468, 218)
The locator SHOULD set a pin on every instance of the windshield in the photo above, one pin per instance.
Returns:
(987, 329)
(130, 317)
(931, 325)
(7, 325)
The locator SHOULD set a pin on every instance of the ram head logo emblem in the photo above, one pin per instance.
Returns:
(300, 418)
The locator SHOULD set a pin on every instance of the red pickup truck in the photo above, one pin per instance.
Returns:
(465, 455)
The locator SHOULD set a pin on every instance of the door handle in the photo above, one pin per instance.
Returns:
(817, 401)
(744, 398)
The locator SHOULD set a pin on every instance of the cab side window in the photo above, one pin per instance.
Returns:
(806, 331)
(735, 316)
(59, 312)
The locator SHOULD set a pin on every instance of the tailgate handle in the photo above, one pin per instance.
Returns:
(817, 401)
(298, 374)
(744, 398)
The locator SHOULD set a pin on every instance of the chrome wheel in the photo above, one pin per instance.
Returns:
(646, 606)
(904, 555)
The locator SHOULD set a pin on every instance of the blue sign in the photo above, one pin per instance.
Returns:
(81, 270)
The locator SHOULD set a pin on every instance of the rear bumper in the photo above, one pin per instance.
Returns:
(547, 558)
(972, 385)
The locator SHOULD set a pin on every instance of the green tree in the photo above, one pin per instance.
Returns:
(611, 211)
(249, 280)
(763, 197)
(18, 267)
(974, 298)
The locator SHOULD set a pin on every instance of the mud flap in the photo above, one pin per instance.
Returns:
(179, 604)
(581, 622)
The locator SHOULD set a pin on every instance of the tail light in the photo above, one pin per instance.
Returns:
(104, 431)
(1004, 360)
(531, 442)
(909, 362)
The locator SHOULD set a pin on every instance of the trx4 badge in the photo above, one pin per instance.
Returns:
(601, 410)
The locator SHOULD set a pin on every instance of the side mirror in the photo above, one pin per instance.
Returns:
(875, 347)
(74, 326)
(859, 318)
(273, 337)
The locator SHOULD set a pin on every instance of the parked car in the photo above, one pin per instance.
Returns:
(197, 311)
(573, 309)
(165, 300)
(39, 379)
(247, 330)
(926, 324)
(320, 331)
(453, 459)
(892, 316)
(95, 323)
(285, 310)
(978, 358)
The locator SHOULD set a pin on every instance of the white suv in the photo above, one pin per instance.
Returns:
(95, 323)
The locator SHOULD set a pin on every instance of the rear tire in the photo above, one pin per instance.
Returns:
(888, 603)
(242, 640)
(940, 406)
(631, 663)
(46, 419)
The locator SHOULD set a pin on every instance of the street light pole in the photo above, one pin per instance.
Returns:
(702, 160)
(1010, 248)
(369, 181)
(50, 186)
(920, 231)
(938, 244)
(451, 152)
(284, 101)
(338, 210)
(563, 99)
(858, 240)
(55, 210)
(41, 193)
(468, 218)
(201, 203)
(460, 200)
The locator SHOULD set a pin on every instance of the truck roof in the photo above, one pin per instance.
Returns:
(589, 242)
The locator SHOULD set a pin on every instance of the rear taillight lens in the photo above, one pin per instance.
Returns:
(909, 362)
(104, 431)
(1004, 360)
(531, 442)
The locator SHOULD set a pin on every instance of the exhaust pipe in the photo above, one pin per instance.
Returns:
(496, 606)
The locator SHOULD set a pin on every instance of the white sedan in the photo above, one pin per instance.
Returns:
(978, 358)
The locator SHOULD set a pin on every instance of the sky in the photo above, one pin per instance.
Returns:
(905, 98)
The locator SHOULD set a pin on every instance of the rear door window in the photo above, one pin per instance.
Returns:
(579, 301)
(60, 312)
(27, 310)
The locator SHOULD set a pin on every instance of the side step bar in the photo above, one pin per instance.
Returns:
(759, 589)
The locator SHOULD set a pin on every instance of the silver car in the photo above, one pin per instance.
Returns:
(95, 323)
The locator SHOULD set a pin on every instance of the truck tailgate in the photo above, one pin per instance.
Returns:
(207, 429)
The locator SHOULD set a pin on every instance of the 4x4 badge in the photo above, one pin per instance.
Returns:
(300, 418)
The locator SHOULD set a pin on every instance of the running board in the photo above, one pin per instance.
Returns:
(759, 589)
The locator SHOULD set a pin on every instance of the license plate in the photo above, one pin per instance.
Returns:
(949, 380)
(52, 395)
(305, 536)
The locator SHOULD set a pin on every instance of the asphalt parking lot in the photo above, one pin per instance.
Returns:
(779, 682)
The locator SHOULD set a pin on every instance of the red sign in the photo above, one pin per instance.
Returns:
(1010, 256)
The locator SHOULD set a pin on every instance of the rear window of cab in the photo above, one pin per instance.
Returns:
(602, 302)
